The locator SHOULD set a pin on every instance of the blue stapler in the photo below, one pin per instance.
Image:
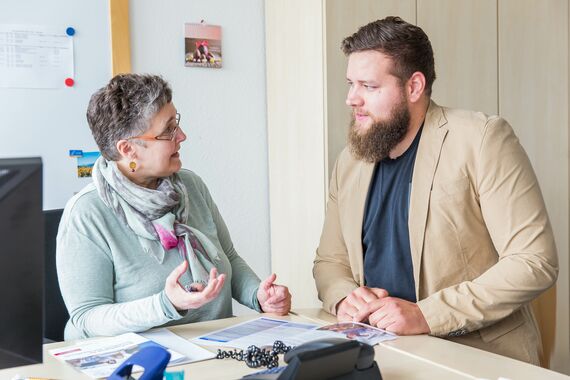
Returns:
(153, 359)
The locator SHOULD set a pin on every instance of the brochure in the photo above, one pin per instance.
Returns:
(100, 357)
(264, 331)
(167, 338)
(360, 332)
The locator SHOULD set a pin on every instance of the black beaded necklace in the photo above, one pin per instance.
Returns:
(256, 357)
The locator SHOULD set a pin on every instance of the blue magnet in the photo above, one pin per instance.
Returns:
(70, 31)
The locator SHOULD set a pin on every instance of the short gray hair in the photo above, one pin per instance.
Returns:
(123, 109)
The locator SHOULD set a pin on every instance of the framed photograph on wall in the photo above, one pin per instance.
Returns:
(203, 45)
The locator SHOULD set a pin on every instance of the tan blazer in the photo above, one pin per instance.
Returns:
(481, 242)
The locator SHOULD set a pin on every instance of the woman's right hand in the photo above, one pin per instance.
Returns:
(183, 300)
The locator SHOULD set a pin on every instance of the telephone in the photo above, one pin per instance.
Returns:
(333, 358)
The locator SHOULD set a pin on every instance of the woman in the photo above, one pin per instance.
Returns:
(144, 245)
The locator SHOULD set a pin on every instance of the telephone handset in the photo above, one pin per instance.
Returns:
(333, 358)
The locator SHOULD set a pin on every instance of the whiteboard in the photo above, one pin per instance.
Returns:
(50, 122)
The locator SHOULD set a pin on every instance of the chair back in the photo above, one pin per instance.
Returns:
(544, 308)
(56, 314)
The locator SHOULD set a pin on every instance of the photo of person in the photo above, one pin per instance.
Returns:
(203, 45)
(341, 327)
(360, 332)
(104, 359)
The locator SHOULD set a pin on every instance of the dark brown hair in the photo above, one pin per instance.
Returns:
(407, 46)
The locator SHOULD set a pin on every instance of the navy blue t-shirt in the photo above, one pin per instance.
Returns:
(385, 234)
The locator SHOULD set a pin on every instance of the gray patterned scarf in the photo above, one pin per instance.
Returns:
(157, 217)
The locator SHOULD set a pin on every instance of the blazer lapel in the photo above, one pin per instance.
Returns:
(427, 158)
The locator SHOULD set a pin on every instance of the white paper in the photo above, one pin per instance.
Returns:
(172, 341)
(35, 56)
(264, 332)
(99, 358)
(309, 336)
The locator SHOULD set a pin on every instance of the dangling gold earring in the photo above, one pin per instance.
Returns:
(133, 166)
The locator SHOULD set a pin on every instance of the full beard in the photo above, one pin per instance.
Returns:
(376, 143)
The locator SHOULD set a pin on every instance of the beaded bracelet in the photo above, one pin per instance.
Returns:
(256, 357)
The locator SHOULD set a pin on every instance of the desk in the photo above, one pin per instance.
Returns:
(407, 358)
(462, 361)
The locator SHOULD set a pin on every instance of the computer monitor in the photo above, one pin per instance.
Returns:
(21, 262)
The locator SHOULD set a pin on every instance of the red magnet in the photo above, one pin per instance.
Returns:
(69, 82)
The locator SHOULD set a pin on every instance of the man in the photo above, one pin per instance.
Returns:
(435, 222)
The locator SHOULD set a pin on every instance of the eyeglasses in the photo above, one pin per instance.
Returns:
(168, 135)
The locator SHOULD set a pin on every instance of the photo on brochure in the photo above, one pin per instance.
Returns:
(360, 332)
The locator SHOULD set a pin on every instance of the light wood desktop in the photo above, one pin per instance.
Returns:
(411, 357)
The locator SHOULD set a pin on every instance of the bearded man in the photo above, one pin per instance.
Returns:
(435, 222)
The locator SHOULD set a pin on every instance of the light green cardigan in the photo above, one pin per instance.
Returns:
(110, 286)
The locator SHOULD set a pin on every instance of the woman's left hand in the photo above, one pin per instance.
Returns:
(273, 298)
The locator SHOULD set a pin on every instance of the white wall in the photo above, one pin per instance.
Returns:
(223, 111)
